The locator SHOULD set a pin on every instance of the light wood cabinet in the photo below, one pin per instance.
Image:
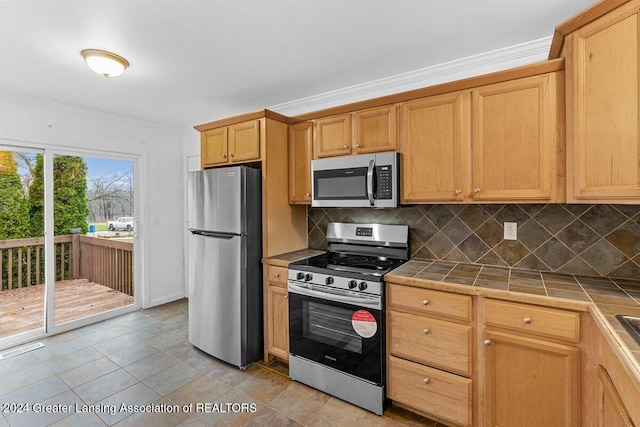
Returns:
(603, 117)
(514, 140)
(612, 412)
(430, 355)
(300, 154)
(276, 312)
(365, 131)
(494, 143)
(435, 144)
(236, 143)
(528, 380)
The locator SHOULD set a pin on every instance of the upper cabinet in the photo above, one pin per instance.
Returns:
(300, 153)
(514, 144)
(493, 143)
(231, 144)
(365, 131)
(603, 121)
(436, 133)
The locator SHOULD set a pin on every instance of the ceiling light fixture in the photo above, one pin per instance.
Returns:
(105, 63)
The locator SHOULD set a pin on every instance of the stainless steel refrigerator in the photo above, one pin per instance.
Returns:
(225, 271)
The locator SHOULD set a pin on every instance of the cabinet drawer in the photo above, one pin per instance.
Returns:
(429, 390)
(277, 275)
(430, 302)
(545, 321)
(430, 341)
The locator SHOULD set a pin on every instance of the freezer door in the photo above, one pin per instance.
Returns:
(216, 286)
(216, 200)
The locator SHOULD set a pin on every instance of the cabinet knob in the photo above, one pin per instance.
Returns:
(527, 320)
(231, 154)
(425, 302)
(425, 331)
(476, 190)
(308, 195)
(276, 276)
(458, 191)
(426, 381)
(224, 156)
(357, 145)
(345, 147)
(286, 296)
(487, 343)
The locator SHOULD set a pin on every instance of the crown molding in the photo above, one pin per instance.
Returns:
(488, 62)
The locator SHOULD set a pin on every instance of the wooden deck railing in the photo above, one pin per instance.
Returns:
(109, 263)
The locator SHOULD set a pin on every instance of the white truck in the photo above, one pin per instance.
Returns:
(122, 223)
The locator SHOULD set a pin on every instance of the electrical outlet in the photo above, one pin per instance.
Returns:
(510, 231)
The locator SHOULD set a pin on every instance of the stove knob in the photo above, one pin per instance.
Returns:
(308, 277)
(299, 276)
(352, 284)
(329, 280)
(362, 286)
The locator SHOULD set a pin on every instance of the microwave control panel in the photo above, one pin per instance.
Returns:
(384, 179)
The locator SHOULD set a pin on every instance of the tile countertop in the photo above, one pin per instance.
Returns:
(601, 296)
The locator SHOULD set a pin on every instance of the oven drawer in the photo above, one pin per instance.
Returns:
(434, 392)
(428, 301)
(277, 275)
(445, 345)
(550, 322)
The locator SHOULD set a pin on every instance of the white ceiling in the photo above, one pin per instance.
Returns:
(194, 61)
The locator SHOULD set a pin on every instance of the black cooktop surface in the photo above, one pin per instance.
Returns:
(347, 264)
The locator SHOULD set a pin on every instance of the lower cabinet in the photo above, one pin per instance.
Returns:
(276, 313)
(530, 379)
(430, 348)
(612, 412)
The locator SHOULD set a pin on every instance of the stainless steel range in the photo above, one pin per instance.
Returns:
(336, 312)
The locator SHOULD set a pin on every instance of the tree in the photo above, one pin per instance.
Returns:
(70, 208)
(14, 212)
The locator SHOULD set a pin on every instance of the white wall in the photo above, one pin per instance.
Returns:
(39, 124)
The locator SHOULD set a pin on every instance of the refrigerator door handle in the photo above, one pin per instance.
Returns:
(214, 234)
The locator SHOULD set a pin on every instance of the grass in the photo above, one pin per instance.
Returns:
(100, 226)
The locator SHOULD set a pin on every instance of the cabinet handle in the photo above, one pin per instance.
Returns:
(426, 331)
(476, 190)
(527, 320)
(487, 343)
(458, 191)
(426, 381)
(425, 302)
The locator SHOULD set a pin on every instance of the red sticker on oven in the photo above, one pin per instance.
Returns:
(364, 323)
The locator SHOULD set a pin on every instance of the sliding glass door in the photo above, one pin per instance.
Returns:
(82, 268)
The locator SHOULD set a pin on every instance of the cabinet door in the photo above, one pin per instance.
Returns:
(213, 146)
(244, 141)
(513, 140)
(435, 148)
(333, 136)
(530, 382)
(278, 321)
(603, 137)
(612, 412)
(375, 130)
(300, 153)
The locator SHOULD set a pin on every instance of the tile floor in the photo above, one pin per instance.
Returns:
(144, 358)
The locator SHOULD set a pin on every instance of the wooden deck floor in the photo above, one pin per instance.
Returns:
(22, 309)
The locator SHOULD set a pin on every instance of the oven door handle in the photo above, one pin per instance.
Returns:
(372, 163)
(361, 300)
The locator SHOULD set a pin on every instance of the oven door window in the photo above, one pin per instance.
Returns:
(323, 331)
(340, 184)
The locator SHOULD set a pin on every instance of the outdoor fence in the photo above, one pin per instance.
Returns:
(99, 260)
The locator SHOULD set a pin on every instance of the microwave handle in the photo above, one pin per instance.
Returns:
(372, 163)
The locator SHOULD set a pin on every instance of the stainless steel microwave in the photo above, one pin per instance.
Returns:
(364, 180)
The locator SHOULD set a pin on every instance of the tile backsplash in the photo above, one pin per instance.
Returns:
(595, 240)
